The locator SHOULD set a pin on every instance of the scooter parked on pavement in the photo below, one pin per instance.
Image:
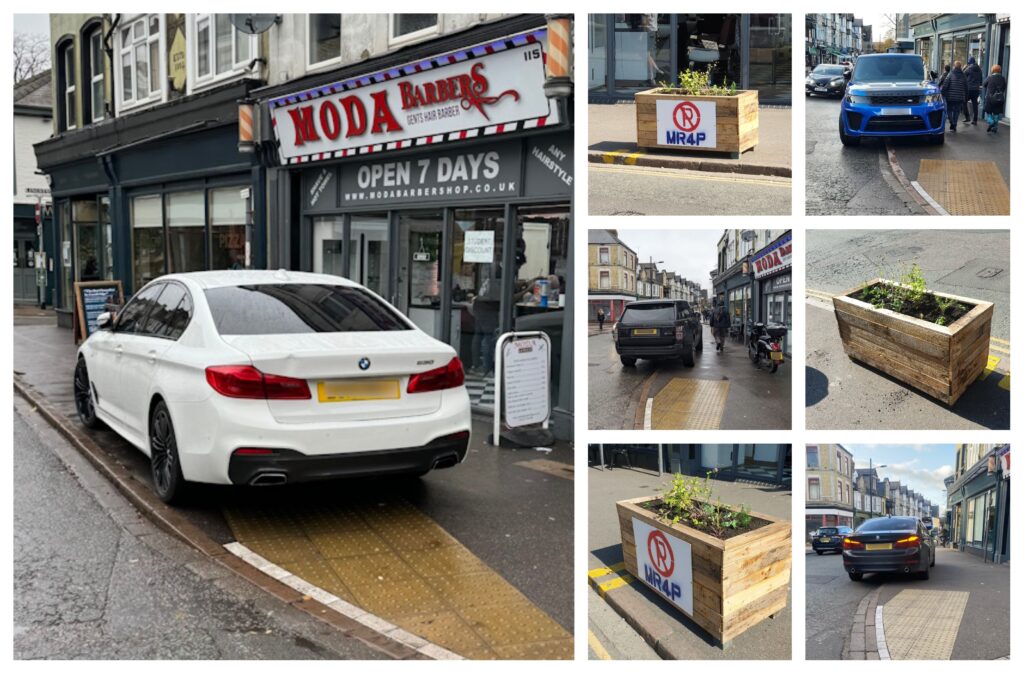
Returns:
(764, 345)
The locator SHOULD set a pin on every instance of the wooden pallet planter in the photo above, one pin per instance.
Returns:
(940, 360)
(735, 122)
(735, 583)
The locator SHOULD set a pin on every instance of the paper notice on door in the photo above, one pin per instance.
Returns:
(479, 247)
(525, 381)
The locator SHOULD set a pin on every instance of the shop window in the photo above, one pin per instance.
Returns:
(477, 245)
(148, 239)
(324, 38)
(138, 55)
(813, 489)
(186, 241)
(66, 269)
(229, 234)
(220, 50)
(406, 27)
(67, 113)
(92, 75)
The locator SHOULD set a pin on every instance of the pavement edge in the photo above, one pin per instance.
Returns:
(369, 629)
(641, 158)
(914, 191)
(867, 638)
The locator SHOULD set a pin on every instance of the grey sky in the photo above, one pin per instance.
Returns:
(690, 253)
(32, 23)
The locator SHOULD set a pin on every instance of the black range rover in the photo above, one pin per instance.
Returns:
(658, 329)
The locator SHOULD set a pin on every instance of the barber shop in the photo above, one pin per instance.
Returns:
(444, 184)
(628, 53)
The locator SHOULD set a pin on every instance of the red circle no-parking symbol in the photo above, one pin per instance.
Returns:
(686, 116)
(660, 552)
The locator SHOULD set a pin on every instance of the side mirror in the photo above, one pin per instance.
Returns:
(105, 321)
(847, 73)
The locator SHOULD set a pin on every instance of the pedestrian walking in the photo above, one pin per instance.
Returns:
(945, 72)
(994, 87)
(720, 326)
(974, 76)
(954, 92)
(600, 319)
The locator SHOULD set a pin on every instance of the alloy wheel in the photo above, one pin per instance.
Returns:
(163, 450)
(83, 394)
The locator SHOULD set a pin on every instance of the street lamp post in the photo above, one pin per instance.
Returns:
(870, 472)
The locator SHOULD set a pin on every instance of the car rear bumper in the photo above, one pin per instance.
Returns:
(869, 121)
(896, 561)
(288, 466)
(827, 546)
(210, 431)
(674, 350)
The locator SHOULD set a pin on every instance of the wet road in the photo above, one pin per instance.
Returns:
(618, 395)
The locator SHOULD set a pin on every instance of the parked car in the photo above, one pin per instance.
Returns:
(826, 80)
(264, 377)
(830, 539)
(658, 329)
(889, 545)
(890, 95)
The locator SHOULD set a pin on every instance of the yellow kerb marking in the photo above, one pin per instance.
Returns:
(993, 361)
(609, 157)
(596, 646)
(1004, 383)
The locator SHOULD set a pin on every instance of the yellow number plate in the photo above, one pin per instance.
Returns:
(878, 546)
(350, 390)
(824, 539)
(777, 355)
(645, 331)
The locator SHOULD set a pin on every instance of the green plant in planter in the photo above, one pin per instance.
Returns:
(689, 500)
(697, 83)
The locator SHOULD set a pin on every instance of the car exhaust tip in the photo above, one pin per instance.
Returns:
(268, 480)
(906, 569)
(446, 461)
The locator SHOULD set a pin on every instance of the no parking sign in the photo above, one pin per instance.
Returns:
(687, 123)
(664, 563)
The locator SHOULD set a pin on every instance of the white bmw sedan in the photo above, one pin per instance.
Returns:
(270, 377)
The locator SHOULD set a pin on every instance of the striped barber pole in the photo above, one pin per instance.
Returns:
(559, 52)
(245, 127)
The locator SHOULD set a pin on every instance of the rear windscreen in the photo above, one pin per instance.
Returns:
(889, 524)
(828, 530)
(289, 308)
(657, 313)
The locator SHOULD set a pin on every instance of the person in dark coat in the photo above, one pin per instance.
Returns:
(720, 325)
(994, 87)
(600, 319)
(945, 74)
(974, 75)
(954, 92)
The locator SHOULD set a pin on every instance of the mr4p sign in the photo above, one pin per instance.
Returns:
(665, 564)
(687, 124)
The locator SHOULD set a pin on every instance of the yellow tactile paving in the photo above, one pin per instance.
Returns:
(965, 187)
(395, 562)
(923, 624)
(690, 404)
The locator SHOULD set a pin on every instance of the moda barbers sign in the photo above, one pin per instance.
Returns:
(775, 258)
(479, 171)
(477, 91)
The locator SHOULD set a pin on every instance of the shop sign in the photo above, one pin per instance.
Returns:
(549, 166)
(478, 247)
(687, 123)
(775, 257)
(320, 188)
(665, 564)
(477, 172)
(478, 91)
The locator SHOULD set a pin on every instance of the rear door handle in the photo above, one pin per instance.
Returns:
(152, 357)
(119, 349)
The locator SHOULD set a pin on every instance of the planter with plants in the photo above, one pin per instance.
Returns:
(934, 342)
(697, 115)
(724, 567)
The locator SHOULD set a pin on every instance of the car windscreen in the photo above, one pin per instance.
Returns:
(291, 308)
(828, 70)
(894, 68)
(653, 313)
(828, 531)
(888, 524)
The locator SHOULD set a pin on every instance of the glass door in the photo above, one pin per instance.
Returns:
(642, 51)
(597, 52)
(369, 263)
(328, 245)
(420, 240)
(771, 48)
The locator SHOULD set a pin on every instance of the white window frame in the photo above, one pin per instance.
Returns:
(604, 255)
(156, 94)
(604, 280)
(413, 36)
(326, 63)
(238, 69)
(70, 118)
(94, 68)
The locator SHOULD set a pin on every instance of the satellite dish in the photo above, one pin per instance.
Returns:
(253, 24)
(748, 234)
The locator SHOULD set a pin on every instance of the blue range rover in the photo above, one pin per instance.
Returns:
(890, 95)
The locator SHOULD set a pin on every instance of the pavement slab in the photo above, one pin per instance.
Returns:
(923, 624)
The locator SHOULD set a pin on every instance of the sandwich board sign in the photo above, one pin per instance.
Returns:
(522, 380)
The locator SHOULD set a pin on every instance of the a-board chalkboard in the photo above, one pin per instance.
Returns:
(91, 300)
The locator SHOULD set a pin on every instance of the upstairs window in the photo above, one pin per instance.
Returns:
(94, 74)
(68, 112)
(407, 27)
(220, 49)
(138, 48)
(604, 257)
(324, 38)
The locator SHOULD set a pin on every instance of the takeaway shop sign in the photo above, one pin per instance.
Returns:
(687, 123)
(775, 258)
(483, 90)
(665, 563)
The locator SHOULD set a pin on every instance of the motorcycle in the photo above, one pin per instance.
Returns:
(764, 345)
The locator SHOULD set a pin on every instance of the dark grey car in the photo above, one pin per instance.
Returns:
(658, 329)
(889, 545)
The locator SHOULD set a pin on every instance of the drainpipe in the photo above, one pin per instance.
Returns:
(108, 103)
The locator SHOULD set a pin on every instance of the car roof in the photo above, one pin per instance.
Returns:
(245, 277)
(643, 302)
(872, 56)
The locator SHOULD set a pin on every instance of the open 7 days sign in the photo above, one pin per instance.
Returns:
(687, 123)
(665, 564)
(484, 90)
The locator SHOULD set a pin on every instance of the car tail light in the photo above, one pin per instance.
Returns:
(449, 376)
(850, 544)
(245, 381)
(908, 542)
(254, 451)
(679, 333)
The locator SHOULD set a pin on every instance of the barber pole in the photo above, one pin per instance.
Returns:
(245, 127)
(559, 56)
